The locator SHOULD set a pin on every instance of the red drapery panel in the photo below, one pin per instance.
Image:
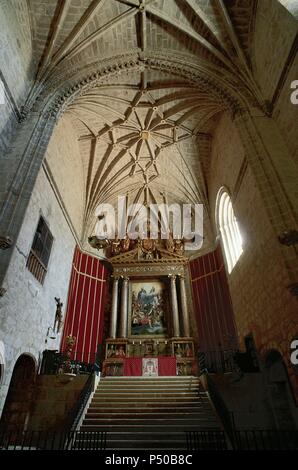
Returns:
(212, 303)
(167, 366)
(132, 366)
(85, 306)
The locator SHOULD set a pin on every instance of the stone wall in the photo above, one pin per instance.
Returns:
(16, 66)
(247, 399)
(64, 161)
(262, 303)
(273, 58)
(16, 48)
(27, 309)
(53, 401)
(8, 119)
(275, 31)
(286, 113)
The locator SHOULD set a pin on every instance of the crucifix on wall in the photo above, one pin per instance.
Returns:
(58, 315)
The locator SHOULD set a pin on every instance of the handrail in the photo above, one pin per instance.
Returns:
(222, 360)
(77, 411)
(245, 439)
(225, 416)
(53, 440)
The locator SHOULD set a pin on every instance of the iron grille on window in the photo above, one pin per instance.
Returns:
(39, 255)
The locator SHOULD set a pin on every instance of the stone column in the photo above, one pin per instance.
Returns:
(114, 310)
(124, 308)
(18, 176)
(184, 307)
(275, 175)
(174, 305)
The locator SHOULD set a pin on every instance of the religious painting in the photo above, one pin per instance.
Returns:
(185, 367)
(149, 348)
(115, 350)
(112, 369)
(150, 367)
(148, 308)
(183, 349)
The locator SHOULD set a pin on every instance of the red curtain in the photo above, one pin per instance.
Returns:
(133, 366)
(167, 366)
(212, 303)
(85, 306)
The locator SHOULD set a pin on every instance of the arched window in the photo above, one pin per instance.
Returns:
(228, 227)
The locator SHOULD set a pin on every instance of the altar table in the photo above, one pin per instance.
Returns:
(166, 366)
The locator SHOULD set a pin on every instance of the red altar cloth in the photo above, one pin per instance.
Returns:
(166, 366)
(132, 366)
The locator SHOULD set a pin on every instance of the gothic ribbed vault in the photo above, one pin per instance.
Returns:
(145, 133)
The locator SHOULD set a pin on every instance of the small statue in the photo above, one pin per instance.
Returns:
(58, 315)
(148, 247)
(125, 243)
(66, 366)
(179, 247)
(116, 247)
(170, 245)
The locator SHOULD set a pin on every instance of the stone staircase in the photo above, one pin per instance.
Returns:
(149, 413)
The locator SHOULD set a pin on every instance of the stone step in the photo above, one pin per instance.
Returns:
(148, 420)
(146, 393)
(141, 379)
(150, 403)
(201, 425)
(152, 407)
(145, 414)
(149, 413)
(139, 390)
(149, 383)
(156, 445)
(155, 395)
(146, 409)
(184, 378)
(145, 445)
(143, 436)
(149, 387)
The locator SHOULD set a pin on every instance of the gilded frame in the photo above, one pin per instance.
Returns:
(149, 281)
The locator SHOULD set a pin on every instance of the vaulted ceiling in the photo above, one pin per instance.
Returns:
(146, 133)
